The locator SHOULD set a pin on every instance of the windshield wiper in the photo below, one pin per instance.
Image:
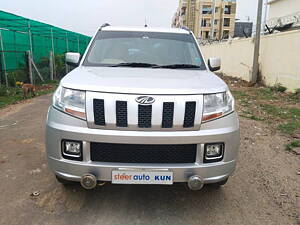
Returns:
(134, 64)
(178, 66)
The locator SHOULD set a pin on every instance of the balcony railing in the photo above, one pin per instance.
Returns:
(206, 25)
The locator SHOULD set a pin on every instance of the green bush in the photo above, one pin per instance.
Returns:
(11, 91)
(20, 75)
(3, 90)
(278, 88)
(60, 66)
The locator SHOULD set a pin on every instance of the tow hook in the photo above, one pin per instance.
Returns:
(88, 181)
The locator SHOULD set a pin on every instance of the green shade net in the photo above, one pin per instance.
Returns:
(16, 32)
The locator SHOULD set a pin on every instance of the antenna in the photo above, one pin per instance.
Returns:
(146, 25)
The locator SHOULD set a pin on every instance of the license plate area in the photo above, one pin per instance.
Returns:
(142, 177)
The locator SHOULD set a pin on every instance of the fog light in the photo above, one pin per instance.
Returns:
(72, 149)
(213, 152)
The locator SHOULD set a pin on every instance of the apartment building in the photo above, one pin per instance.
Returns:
(213, 19)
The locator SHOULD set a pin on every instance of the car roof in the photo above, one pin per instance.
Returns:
(146, 29)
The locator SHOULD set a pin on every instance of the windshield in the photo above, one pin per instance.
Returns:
(144, 49)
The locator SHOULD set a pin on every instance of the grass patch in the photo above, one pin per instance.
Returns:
(256, 106)
(239, 94)
(290, 127)
(283, 113)
(266, 94)
(249, 115)
(7, 100)
(252, 117)
(12, 95)
(292, 145)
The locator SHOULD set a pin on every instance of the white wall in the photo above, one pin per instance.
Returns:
(280, 8)
(279, 58)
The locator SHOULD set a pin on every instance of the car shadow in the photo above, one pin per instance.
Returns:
(130, 202)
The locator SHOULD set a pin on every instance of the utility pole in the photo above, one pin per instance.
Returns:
(30, 52)
(3, 58)
(67, 45)
(51, 65)
(78, 44)
(30, 38)
(53, 52)
(255, 68)
(266, 15)
(30, 67)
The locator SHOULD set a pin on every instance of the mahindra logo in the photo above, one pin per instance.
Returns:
(145, 100)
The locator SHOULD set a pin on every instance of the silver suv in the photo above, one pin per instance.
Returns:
(142, 107)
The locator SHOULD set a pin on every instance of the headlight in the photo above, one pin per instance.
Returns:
(70, 101)
(217, 105)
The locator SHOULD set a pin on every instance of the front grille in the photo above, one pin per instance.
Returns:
(99, 112)
(125, 113)
(130, 153)
(145, 116)
(121, 113)
(168, 114)
(189, 117)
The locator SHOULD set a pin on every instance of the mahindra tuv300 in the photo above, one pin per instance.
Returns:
(142, 107)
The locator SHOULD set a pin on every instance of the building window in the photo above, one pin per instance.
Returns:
(216, 9)
(206, 9)
(226, 22)
(183, 11)
(225, 34)
(205, 23)
(216, 22)
(206, 34)
(227, 9)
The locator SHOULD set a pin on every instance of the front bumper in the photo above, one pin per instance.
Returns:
(62, 126)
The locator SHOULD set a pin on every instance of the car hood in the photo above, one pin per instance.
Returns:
(143, 80)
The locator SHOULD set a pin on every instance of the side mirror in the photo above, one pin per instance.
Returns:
(214, 64)
(72, 59)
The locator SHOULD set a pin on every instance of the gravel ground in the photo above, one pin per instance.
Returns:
(265, 188)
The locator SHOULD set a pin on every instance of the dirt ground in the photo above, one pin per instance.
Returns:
(265, 188)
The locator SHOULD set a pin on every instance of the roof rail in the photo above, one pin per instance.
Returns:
(104, 25)
(186, 28)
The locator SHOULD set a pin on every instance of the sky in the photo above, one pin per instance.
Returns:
(86, 16)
